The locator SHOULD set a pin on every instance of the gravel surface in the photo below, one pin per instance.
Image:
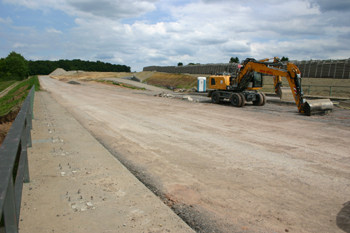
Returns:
(224, 169)
(77, 186)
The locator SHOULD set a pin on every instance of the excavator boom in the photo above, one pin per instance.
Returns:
(293, 75)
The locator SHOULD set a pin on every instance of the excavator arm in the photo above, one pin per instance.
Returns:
(293, 76)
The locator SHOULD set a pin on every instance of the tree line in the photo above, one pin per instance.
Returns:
(16, 67)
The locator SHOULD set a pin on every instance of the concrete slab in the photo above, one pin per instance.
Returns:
(78, 186)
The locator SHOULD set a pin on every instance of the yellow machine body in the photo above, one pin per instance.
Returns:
(219, 82)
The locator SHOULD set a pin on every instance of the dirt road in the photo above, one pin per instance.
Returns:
(8, 89)
(224, 169)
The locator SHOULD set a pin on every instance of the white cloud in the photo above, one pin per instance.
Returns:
(38, 4)
(204, 31)
(19, 45)
(234, 46)
(104, 56)
(8, 20)
(117, 9)
(93, 9)
(52, 30)
(327, 5)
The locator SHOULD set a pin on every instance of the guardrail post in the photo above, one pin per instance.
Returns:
(28, 128)
(32, 103)
(26, 168)
(25, 141)
(308, 90)
(10, 216)
(330, 91)
(30, 116)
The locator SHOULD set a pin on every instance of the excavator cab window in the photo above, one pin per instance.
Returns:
(257, 80)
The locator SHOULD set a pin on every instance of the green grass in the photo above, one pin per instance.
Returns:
(6, 84)
(14, 99)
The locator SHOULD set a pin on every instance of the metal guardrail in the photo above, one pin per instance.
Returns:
(14, 165)
(309, 87)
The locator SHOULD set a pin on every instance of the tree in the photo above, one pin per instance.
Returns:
(15, 66)
(234, 60)
(2, 67)
(180, 64)
(284, 59)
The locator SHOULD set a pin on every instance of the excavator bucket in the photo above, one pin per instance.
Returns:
(285, 94)
(318, 107)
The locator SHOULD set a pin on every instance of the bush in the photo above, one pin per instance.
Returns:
(15, 67)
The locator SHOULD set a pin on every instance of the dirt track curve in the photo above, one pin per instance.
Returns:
(8, 89)
(224, 169)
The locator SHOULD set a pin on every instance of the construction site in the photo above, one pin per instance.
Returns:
(261, 165)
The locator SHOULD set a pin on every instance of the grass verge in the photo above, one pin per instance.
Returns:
(14, 99)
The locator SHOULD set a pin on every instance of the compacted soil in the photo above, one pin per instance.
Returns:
(224, 169)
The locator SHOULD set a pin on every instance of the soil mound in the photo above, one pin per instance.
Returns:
(58, 71)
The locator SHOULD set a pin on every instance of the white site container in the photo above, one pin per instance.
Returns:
(201, 84)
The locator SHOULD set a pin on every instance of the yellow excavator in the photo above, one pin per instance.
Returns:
(246, 83)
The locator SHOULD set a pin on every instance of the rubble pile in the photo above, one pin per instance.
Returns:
(170, 96)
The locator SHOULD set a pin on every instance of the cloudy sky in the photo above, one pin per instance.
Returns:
(140, 33)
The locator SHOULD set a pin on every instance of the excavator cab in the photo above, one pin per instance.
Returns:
(258, 79)
(255, 81)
